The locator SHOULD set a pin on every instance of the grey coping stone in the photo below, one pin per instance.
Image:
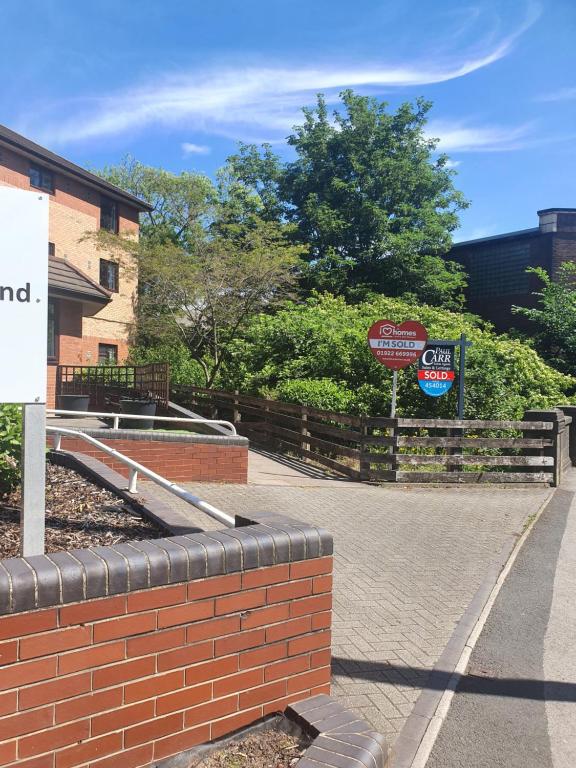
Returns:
(231, 549)
(116, 569)
(5, 591)
(72, 576)
(341, 738)
(315, 702)
(48, 581)
(177, 559)
(249, 551)
(261, 540)
(96, 573)
(138, 566)
(158, 562)
(23, 584)
(164, 437)
(197, 556)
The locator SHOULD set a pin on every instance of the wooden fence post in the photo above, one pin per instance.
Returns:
(364, 464)
(558, 434)
(304, 428)
(236, 415)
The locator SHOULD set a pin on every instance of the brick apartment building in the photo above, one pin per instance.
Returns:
(91, 292)
(496, 266)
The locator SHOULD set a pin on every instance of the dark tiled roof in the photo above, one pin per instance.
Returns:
(67, 280)
(520, 233)
(50, 158)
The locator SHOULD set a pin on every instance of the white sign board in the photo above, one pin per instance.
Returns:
(23, 295)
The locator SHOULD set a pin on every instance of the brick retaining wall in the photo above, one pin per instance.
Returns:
(129, 654)
(200, 458)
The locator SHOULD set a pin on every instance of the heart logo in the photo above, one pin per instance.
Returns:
(397, 346)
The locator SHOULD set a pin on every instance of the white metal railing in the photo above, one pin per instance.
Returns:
(117, 416)
(136, 468)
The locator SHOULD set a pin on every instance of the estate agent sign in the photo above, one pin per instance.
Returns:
(436, 369)
(397, 346)
(23, 295)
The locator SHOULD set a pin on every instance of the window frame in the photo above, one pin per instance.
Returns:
(109, 262)
(53, 359)
(42, 170)
(108, 347)
(110, 201)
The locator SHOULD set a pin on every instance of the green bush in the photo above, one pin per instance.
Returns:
(184, 370)
(316, 352)
(10, 446)
(317, 393)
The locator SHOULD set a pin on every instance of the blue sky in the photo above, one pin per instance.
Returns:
(177, 83)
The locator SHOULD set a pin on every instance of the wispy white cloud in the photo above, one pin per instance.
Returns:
(453, 163)
(264, 102)
(188, 148)
(562, 94)
(461, 137)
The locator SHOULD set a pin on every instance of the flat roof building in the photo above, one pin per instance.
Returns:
(496, 266)
(91, 293)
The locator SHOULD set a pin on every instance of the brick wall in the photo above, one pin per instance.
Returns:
(208, 459)
(134, 675)
(75, 211)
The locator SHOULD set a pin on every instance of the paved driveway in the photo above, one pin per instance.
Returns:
(407, 564)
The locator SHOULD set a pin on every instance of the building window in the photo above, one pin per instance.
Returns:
(41, 178)
(108, 215)
(52, 337)
(109, 275)
(107, 354)
(51, 249)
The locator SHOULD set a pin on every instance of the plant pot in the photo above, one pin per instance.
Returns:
(73, 403)
(139, 408)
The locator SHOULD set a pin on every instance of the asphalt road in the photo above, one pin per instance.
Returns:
(516, 705)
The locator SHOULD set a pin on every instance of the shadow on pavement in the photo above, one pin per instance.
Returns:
(478, 684)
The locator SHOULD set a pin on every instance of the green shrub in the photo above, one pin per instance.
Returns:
(184, 370)
(10, 446)
(317, 352)
(317, 393)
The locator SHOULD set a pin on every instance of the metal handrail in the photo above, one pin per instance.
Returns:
(117, 416)
(135, 468)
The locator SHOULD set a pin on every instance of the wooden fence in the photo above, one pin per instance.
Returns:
(107, 384)
(534, 449)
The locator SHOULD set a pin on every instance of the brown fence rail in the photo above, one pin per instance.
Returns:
(107, 384)
(534, 449)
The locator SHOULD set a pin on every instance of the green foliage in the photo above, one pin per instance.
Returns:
(180, 202)
(317, 352)
(10, 446)
(370, 200)
(317, 393)
(208, 259)
(555, 317)
(183, 368)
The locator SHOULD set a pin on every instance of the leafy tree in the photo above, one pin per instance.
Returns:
(555, 317)
(207, 260)
(181, 203)
(316, 353)
(368, 197)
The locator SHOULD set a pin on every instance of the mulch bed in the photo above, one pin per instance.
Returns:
(79, 514)
(261, 749)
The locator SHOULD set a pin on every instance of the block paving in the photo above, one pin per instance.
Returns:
(408, 562)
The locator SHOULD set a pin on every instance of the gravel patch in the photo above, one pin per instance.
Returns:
(79, 514)
(261, 749)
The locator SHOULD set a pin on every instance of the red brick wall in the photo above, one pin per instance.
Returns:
(75, 349)
(177, 461)
(128, 679)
